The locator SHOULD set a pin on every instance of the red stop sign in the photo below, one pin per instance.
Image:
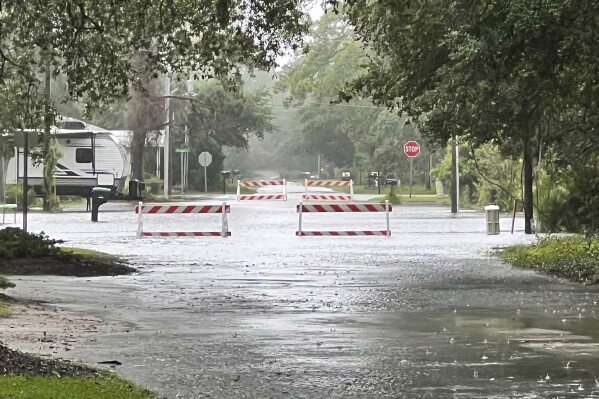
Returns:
(411, 148)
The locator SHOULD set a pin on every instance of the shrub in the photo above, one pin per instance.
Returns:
(4, 283)
(16, 244)
(573, 257)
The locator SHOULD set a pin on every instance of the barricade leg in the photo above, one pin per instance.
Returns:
(299, 229)
(225, 223)
(387, 213)
(140, 227)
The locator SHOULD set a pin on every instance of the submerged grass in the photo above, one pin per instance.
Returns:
(103, 387)
(4, 309)
(572, 257)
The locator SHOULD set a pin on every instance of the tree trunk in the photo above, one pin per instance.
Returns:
(528, 183)
(2, 179)
(137, 154)
(454, 177)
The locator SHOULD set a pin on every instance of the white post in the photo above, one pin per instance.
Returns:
(306, 185)
(284, 189)
(238, 189)
(319, 167)
(140, 227)
(225, 224)
(167, 145)
(300, 219)
(351, 188)
(457, 172)
(158, 167)
(387, 212)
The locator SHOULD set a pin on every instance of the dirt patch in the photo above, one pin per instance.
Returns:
(19, 363)
(49, 333)
(65, 265)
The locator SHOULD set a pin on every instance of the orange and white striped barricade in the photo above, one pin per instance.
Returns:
(160, 209)
(341, 207)
(328, 196)
(258, 184)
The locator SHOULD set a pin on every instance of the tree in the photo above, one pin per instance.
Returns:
(348, 134)
(219, 118)
(483, 70)
(97, 46)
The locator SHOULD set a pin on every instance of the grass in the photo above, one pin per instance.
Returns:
(4, 309)
(90, 254)
(572, 257)
(104, 387)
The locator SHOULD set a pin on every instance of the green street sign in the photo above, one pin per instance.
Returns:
(187, 149)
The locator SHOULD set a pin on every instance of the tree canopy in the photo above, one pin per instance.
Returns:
(507, 72)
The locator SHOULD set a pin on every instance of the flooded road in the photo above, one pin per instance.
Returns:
(425, 313)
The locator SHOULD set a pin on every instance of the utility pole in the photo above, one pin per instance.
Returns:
(47, 128)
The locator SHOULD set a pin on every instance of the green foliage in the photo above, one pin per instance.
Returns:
(17, 244)
(486, 176)
(5, 283)
(14, 195)
(103, 387)
(218, 119)
(574, 257)
(488, 71)
(352, 134)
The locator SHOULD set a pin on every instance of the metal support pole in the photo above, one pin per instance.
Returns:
(25, 176)
(182, 173)
(411, 174)
(205, 180)
(167, 145)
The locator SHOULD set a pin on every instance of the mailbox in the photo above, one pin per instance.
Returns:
(100, 195)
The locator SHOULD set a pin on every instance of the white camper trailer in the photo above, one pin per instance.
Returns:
(91, 157)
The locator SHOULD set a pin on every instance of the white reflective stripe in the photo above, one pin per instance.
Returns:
(349, 233)
(328, 183)
(262, 183)
(186, 234)
(155, 209)
(327, 197)
(344, 207)
(262, 197)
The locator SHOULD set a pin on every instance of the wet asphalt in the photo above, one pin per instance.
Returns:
(426, 313)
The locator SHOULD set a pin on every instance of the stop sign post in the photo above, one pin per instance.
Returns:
(411, 149)
(205, 159)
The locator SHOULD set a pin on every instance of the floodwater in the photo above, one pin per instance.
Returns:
(425, 313)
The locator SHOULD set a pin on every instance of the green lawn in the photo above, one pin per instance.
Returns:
(104, 387)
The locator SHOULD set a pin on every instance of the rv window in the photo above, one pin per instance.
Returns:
(83, 155)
